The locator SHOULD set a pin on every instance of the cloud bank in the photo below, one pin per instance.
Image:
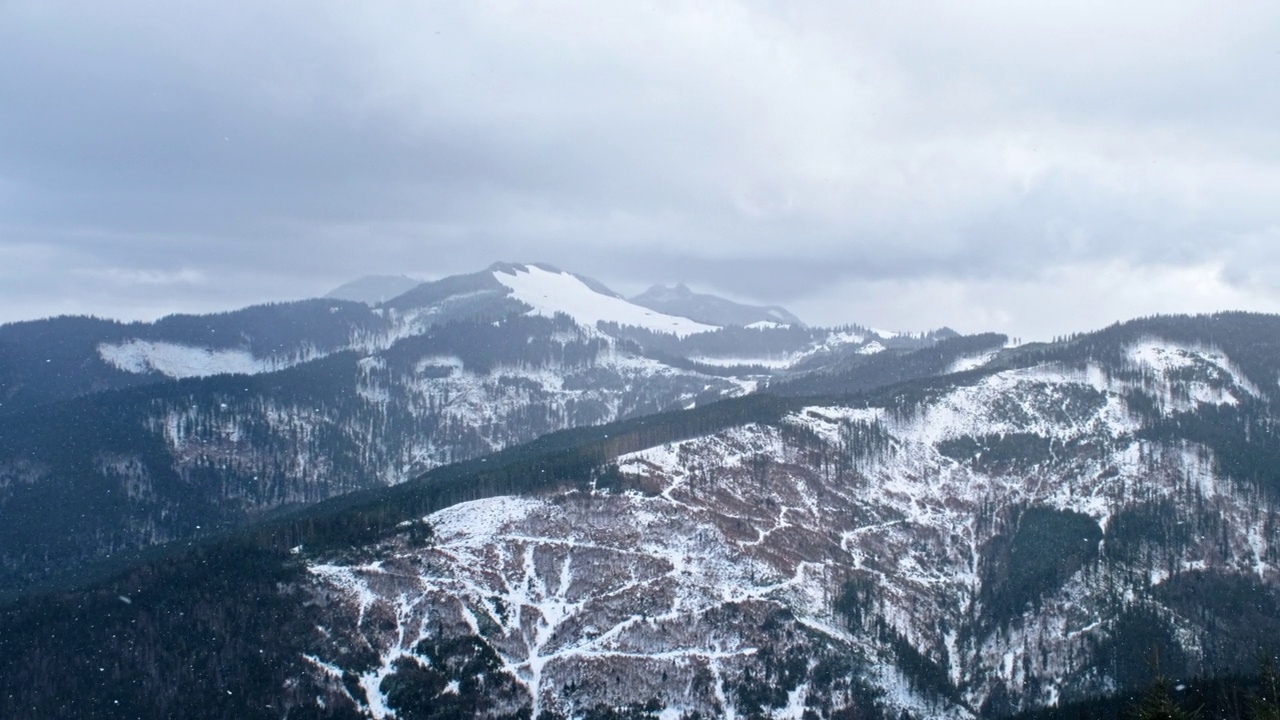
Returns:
(1034, 169)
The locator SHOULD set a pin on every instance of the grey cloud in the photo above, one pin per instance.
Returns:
(777, 152)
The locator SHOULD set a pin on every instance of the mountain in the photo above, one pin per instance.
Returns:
(1018, 529)
(373, 289)
(194, 426)
(48, 361)
(710, 309)
(984, 543)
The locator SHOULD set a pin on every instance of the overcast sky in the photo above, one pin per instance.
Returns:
(1027, 167)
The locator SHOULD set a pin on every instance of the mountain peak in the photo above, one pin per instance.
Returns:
(678, 299)
(373, 289)
(549, 290)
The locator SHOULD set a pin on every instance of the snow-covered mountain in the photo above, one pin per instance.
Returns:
(550, 291)
(979, 546)
(1016, 528)
(52, 360)
(198, 424)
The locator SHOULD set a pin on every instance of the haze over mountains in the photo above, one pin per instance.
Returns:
(373, 289)
(680, 300)
(516, 493)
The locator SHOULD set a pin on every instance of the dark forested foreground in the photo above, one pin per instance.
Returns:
(212, 634)
(1255, 697)
(1023, 532)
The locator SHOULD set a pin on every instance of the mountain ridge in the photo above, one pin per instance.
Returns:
(206, 423)
(373, 289)
(711, 309)
(937, 494)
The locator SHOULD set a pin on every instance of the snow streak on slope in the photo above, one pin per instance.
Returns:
(834, 341)
(550, 292)
(972, 362)
(766, 325)
(185, 361)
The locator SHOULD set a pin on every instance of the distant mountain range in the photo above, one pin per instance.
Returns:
(677, 300)
(516, 494)
(49, 360)
(118, 436)
(373, 289)
(680, 300)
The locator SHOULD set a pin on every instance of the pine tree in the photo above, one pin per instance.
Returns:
(1158, 703)
(1267, 705)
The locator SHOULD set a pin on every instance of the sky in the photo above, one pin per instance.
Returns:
(1028, 168)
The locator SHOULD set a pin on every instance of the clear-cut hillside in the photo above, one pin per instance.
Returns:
(971, 546)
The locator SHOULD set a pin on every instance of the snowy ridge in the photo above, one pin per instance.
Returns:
(549, 292)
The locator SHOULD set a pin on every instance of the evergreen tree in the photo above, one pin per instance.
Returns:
(1158, 702)
(1267, 705)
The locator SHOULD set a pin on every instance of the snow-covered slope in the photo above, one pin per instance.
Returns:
(971, 553)
(550, 291)
(959, 545)
(179, 361)
(219, 452)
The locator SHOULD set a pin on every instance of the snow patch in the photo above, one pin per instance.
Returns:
(1037, 400)
(773, 362)
(1205, 375)
(480, 518)
(549, 292)
(185, 361)
(846, 337)
(972, 362)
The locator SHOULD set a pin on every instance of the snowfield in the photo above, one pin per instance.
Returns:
(549, 293)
